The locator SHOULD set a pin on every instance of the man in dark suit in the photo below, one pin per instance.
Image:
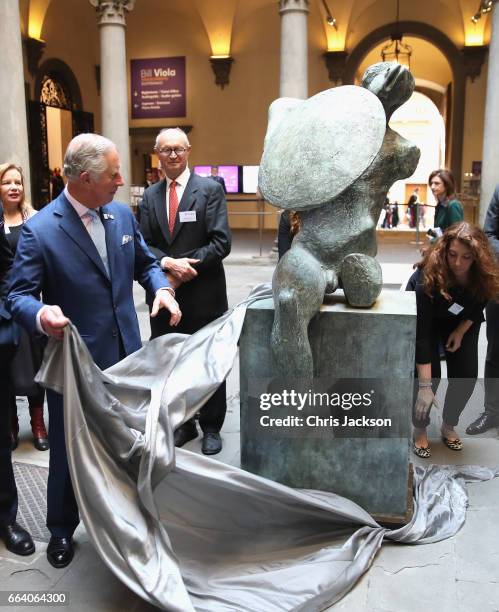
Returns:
(184, 222)
(82, 252)
(15, 538)
(490, 417)
(219, 179)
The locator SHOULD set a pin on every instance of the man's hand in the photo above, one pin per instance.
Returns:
(180, 268)
(53, 322)
(164, 299)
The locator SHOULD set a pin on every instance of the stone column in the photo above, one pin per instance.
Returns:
(490, 157)
(13, 120)
(294, 48)
(114, 82)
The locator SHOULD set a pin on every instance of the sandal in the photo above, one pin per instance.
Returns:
(455, 445)
(423, 453)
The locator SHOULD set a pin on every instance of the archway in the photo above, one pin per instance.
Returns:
(456, 95)
(55, 116)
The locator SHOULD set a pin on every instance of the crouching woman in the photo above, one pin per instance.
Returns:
(453, 282)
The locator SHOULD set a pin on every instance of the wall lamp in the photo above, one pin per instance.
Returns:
(329, 18)
(485, 7)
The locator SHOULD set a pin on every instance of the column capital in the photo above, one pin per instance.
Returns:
(112, 11)
(289, 6)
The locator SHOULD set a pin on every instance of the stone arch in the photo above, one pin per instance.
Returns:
(60, 71)
(455, 59)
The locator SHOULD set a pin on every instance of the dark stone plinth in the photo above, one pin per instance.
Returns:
(372, 348)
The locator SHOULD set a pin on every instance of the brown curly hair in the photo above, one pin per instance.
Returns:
(484, 272)
(294, 221)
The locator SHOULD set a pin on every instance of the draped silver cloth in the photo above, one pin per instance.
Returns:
(186, 532)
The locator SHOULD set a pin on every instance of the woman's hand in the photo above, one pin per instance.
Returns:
(456, 337)
(424, 400)
(454, 341)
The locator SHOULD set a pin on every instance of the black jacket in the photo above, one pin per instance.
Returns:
(208, 239)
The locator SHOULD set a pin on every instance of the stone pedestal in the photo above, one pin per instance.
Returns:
(366, 351)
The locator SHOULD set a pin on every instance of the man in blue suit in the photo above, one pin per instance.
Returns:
(84, 265)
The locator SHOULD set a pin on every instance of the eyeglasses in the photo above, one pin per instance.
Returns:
(168, 151)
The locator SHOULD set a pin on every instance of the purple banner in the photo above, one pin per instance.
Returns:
(158, 87)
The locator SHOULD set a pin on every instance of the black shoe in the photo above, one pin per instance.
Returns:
(212, 443)
(41, 444)
(60, 552)
(17, 539)
(484, 422)
(184, 434)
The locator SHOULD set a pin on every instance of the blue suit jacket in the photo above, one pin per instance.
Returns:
(56, 257)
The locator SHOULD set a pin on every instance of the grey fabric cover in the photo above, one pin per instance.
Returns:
(186, 532)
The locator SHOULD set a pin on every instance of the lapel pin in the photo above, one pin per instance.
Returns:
(108, 216)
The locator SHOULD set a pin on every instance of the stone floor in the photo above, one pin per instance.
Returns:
(458, 574)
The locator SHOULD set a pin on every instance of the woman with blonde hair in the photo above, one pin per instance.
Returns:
(454, 281)
(16, 212)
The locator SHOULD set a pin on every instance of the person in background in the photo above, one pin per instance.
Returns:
(15, 538)
(412, 207)
(149, 178)
(219, 179)
(289, 226)
(28, 358)
(448, 210)
(395, 214)
(453, 282)
(490, 416)
(387, 221)
(56, 182)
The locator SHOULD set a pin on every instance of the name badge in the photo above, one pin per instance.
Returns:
(187, 216)
(456, 308)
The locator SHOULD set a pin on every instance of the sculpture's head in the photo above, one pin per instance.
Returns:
(392, 83)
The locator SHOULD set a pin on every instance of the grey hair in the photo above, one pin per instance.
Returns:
(179, 131)
(86, 153)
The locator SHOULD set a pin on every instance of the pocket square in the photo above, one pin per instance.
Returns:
(126, 238)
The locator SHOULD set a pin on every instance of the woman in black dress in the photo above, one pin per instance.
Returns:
(454, 281)
(16, 211)
(15, 538)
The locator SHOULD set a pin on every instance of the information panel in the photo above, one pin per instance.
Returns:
(158, 87)
(230, 175)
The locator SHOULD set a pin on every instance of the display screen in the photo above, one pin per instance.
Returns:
(250, 179)
(230, 174)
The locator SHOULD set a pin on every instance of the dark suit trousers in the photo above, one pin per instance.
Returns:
(492, 360)
(62, 510)
(8, 491)
(212, 414)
